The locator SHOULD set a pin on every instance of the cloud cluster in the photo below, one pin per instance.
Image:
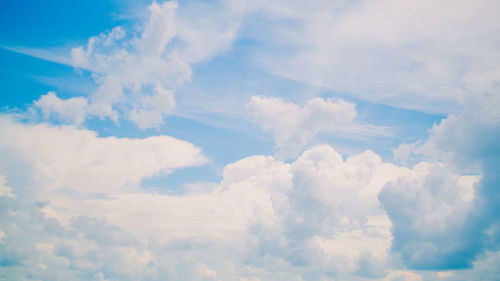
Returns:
(76, 199)
(319, 213)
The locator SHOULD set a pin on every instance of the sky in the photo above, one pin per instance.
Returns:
(250, 140)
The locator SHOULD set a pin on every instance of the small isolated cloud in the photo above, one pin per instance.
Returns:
(73, 110)
(294, 127)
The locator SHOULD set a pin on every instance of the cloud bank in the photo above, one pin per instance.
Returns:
(317, 216)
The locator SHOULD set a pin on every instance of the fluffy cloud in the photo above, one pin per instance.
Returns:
(136, 75)
(317, 216)
(134, 72)
(430, 210)
(331, 217)
(52, 173)
(294, 127)
(78, 202)
(73, 110)
(444, 229)
(77, 159)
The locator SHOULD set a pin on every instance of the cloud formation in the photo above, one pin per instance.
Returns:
(66, 157)
(294, 127)
(136, 74)
(430, 210)
(319, 213)
(460, 144)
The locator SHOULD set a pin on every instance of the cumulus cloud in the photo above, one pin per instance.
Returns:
(73, 110)
(66, 157)
(447, 227)
(136, 74)
(134, 71)
(430, 210)
(294, 127)
(316, 216)
(331, 216)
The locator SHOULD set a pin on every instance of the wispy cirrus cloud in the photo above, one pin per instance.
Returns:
(423, 55)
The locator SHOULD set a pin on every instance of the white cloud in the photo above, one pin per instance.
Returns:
(73, 110)
(430, 210)
(4, 189)
(153, 108)
(85, 191)
(331, 216)
(425, 55)
(294, 127)
(315, 217)
(405, 151)
(440, 224)
(206, 29)
(77, 159)
(160, 29)
(129, 68)
(129, 71)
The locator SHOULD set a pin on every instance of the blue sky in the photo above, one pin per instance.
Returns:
(249, 140)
